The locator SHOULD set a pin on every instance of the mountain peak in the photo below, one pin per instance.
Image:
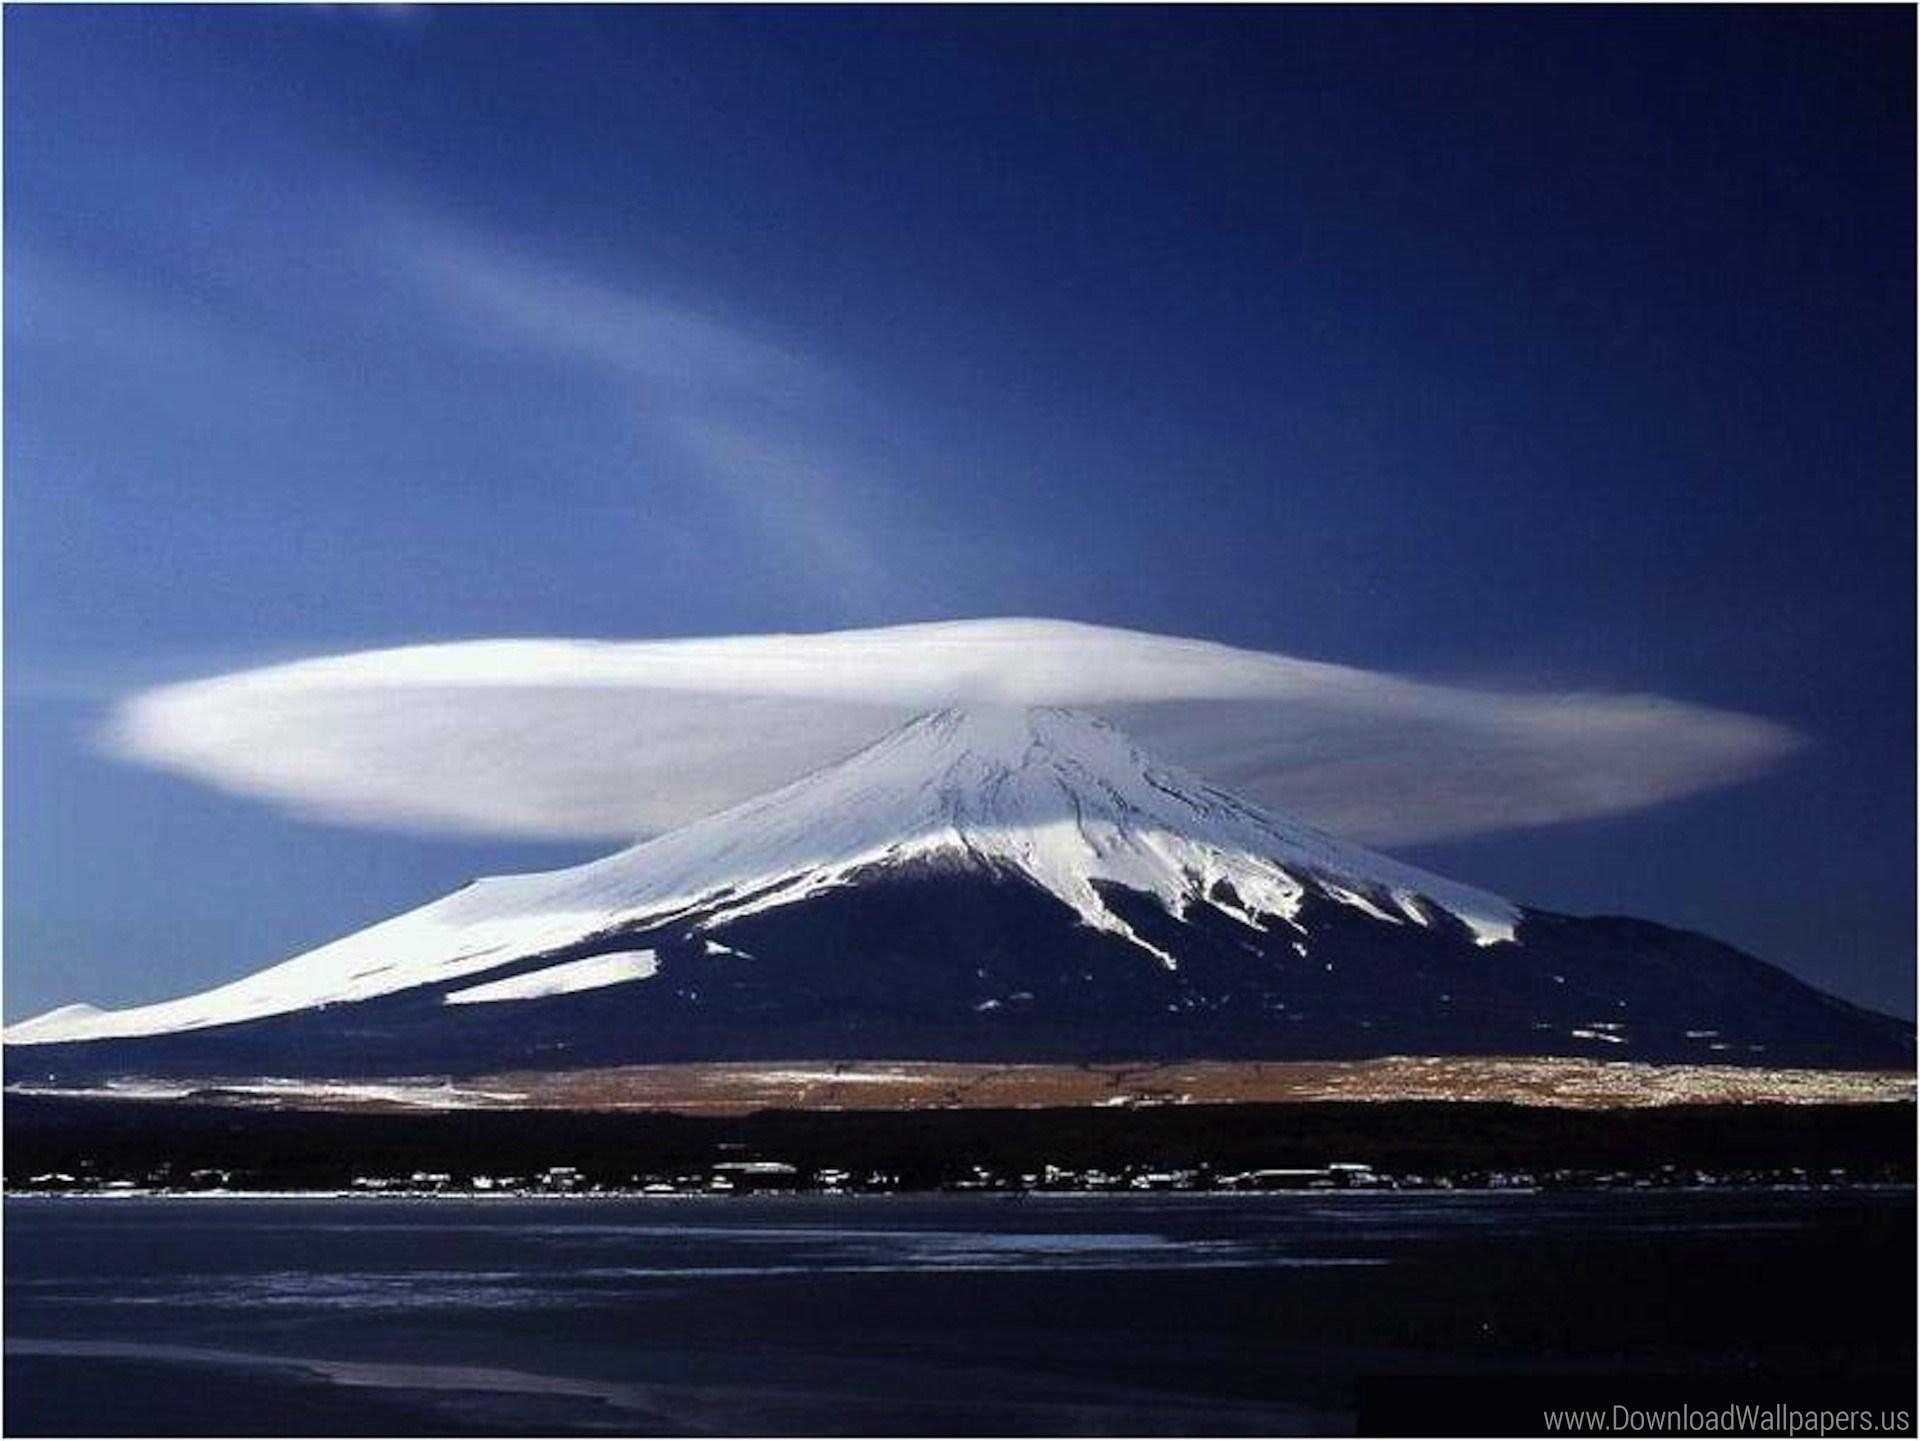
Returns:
(1001, 737)
(998, 882)
(1056, 798)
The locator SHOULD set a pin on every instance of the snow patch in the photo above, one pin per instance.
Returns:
(1587, 1033)
(612, 969)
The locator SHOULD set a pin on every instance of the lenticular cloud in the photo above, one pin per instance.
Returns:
(613, 740)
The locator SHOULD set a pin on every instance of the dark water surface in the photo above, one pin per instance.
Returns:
(907, 1314)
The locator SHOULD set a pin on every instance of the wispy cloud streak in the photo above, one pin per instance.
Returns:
(756, 418)
(692, 357)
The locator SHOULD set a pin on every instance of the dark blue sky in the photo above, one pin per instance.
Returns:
(1535, 349)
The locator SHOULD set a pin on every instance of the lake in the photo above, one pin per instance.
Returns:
(1158, 1314)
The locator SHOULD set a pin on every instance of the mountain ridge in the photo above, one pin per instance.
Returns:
(991, 882)
(996, 785)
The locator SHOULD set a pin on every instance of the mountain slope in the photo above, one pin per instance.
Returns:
(995, 884)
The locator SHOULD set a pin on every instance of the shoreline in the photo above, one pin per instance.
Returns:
(737, 1088)
(117, 1146)
(1304, 1195)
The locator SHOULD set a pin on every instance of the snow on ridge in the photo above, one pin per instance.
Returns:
(54, 1021)
(1064, 799)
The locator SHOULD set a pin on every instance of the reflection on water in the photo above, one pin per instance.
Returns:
(901, 1314)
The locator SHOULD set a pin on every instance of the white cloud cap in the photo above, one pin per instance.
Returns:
(617, 739)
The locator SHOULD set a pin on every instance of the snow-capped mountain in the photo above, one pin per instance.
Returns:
(992, 884)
